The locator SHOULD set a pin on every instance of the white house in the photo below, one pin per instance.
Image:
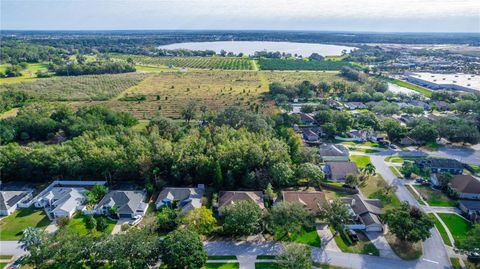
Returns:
(364, 213)
(9, 200)
(125, 204)
(61, 201)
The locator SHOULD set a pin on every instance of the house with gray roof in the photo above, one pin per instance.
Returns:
(185, 199)
(226, 198)
(61, 201)
(438, 165)
(338, 171)
(125, 204)
(9, 200)
(365, 213)
(334, 153)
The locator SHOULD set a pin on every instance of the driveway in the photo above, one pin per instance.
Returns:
(380, 242)
(11, 248)
(326, 237)
(118, 226)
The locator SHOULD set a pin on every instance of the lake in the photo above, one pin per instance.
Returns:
(250, 47)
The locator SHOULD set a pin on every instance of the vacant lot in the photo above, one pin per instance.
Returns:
(12, 227)
(30, 73)
(226, 63)
(298, 77)
(167, 93)
(434, 197)
(79, 88)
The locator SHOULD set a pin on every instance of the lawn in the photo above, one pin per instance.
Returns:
(266, 265)
(361, 160)
(363, 150)
(266, 257)
(77, 224)
(405, 251)
(30, 73)
(12, 227)
(224, 258)
(375, 188)
(395, 171)
(365, 144)
(309, 237)
(229, 265)
(363, 246)
(455, 263)
(3, 264)
(413, 87)
(457, 225)
(441, 230)
(414, 194)
(435, 197)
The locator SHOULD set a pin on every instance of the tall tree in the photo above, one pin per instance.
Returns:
(336, 214)
(242, 218)
(288, 218)
(200, 220)
(183, 249)
(409, 224)
(295, 256)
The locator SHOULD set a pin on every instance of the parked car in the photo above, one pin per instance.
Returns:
(353, 235)
(391, 146)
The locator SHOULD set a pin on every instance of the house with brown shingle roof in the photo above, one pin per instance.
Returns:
(309, 199)
(226, 198)
(338, 171)
(467, 186)
(364, 213)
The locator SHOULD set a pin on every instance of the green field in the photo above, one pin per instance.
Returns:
(29, 73)
(78, 88)
(309, 237)
(12, 227)
(299, 64)
(457, 225)
(230, 265)
(410, 86)
(225, 63)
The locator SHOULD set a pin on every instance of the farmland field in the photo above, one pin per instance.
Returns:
(297, 77)
(167, 93)
(225, 63)
(78, 88)
(298, 64)
(30, 73)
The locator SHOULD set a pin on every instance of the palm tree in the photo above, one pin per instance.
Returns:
(31, 237)
(370, 169)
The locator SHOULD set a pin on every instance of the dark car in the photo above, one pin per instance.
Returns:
(353, 235)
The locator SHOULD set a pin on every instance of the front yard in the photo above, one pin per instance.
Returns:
(404, 250)
(77, 224)
(435, 197)
(457, 225)
(229, 265)
(362, 246)
(307, 237)
(377, 188)
(361, 160)
(12, 227)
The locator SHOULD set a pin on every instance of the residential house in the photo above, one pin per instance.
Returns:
(306, 119)
(184, 198)
(125, 204)
(9, 200)
(311, 200)
(467, 186)
(471, 209)
(355, 105)
(437, 165)
(334, 153)
(365, 213)
(310, 133)
(338, 171)
(334, 104)
(226, 198)
(62, 201)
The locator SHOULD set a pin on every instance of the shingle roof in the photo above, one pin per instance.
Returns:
(127, 202)
(333, 150)
(342, 169)
(470, 204)
(465, 184)
(230, 197)
(440, 163)
(310, 200)
(367, 209)
(10, 198)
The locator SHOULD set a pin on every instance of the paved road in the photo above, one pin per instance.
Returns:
(433, 248)
(346, 260)
(11, 248)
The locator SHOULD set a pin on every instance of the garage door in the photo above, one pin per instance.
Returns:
(125, 216)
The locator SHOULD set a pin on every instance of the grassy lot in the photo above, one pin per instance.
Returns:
(266, 265)
(457, 225)
(309, 237)
(400, 159)
(405, 251)
(292, 78)
(230, 265)
(363, 246)
(455, 263)
(167, 93)
(78, 88)
(441, 230)
(410, 86)
(375, 189)
(12, 227)
(30, 73)
(77, 224)
(361, 160)
(363, 144)
(222, 257)
(148, 68)
(3, 264)
(395, 171)
(142, 124)
(363, 150)
(434, 197)
(414, 194)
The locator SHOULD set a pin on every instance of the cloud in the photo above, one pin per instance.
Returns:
(367, 15)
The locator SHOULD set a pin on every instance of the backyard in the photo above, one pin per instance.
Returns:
(434, 197)
(12, 227)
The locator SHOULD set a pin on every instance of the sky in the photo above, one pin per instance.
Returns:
(316, 15)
